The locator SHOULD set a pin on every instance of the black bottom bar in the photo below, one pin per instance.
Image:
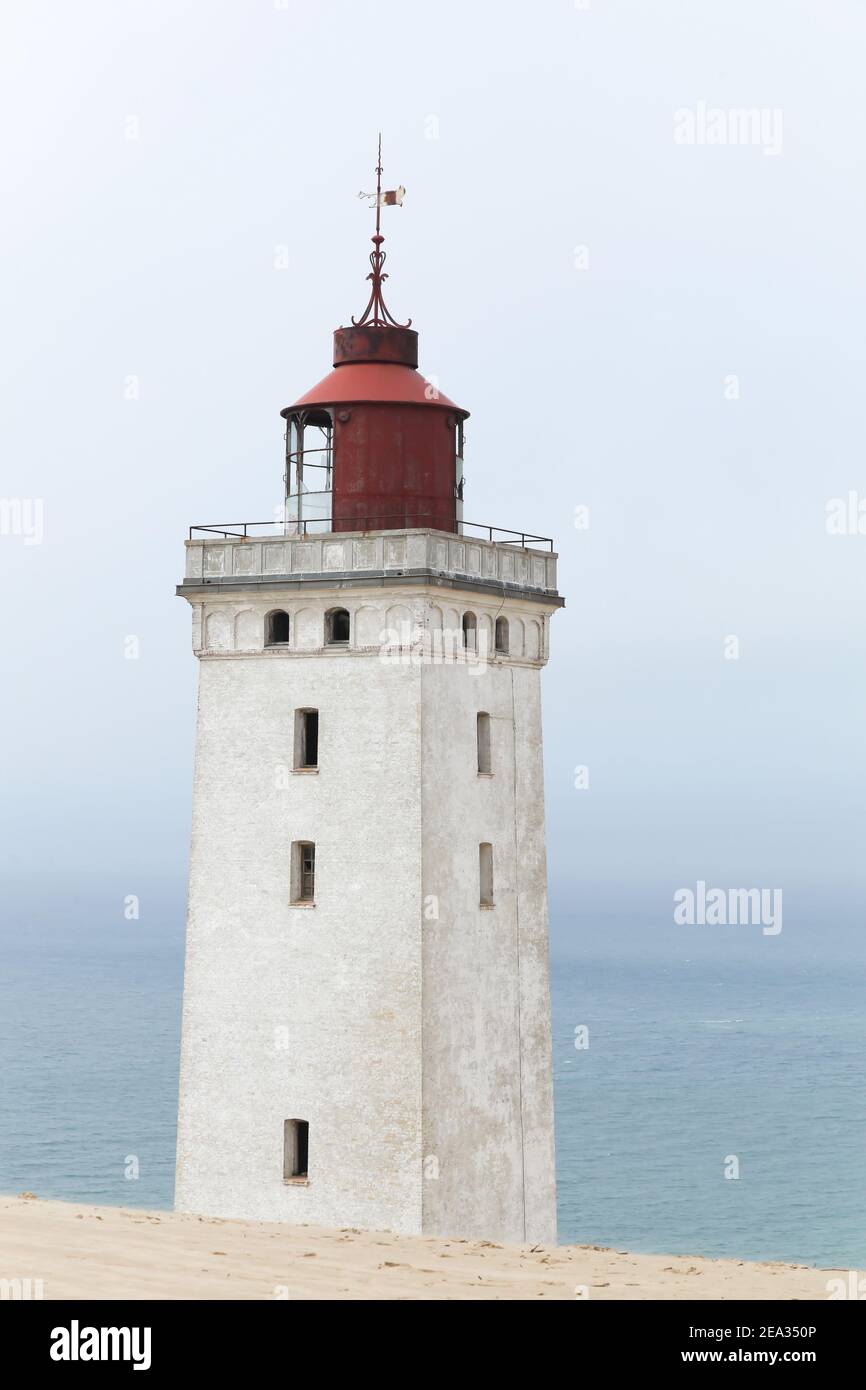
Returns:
(240, 1339)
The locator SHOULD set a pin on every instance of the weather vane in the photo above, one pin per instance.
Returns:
(376, 313)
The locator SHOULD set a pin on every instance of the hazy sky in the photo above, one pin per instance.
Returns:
(668, 333)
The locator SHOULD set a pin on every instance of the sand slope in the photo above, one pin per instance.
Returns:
(113, 1252)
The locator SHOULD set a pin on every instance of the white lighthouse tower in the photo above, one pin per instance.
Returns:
(366, 1017)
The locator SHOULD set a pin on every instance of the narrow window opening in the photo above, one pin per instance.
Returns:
(296, 1149)
(306, 738)
(336, 626)
(483, 735)
(276, 628)
(469, 631)
(303, 872)
(502, 636)
(485, 872)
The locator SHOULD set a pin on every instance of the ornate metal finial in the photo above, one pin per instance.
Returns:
(377, 313)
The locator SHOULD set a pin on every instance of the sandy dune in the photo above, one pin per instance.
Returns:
(112, 1252)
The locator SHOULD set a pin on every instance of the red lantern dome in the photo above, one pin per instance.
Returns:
(374, 446)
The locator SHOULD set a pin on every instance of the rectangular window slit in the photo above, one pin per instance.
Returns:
(485, 874)
(483, 737)
(296, 1149)
(306, 738)
(303, 872)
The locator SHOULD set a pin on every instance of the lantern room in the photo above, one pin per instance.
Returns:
(374, 446)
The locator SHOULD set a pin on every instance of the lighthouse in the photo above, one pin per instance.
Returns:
(366, 1012)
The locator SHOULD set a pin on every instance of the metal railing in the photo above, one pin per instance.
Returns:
(248, 530)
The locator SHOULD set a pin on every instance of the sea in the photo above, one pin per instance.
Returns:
(703, 1107)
